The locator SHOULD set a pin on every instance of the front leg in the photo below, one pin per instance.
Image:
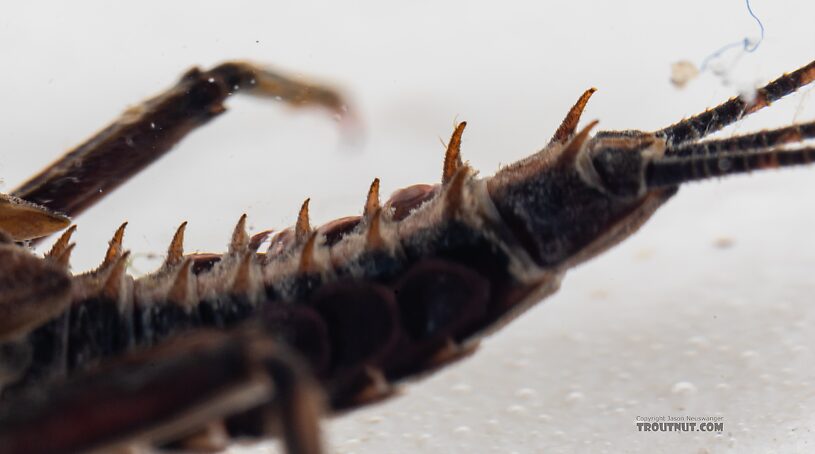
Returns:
(169, 392)
(145, 132)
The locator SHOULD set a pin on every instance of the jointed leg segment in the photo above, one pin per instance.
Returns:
(145, 132)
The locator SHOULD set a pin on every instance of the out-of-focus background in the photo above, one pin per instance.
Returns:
(708, 311)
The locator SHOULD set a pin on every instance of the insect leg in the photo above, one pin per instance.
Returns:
(712, 120)
(166, 393)
(145, 132)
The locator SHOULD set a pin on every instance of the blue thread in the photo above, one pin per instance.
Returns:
(744, 43)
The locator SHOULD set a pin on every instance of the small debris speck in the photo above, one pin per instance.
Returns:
(683, 72)
(723, 242)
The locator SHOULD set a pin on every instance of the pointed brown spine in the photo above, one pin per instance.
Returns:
(175, 253)
(59, 248)
(303, 227)
(452, 158)
(240, 239)
(570, 152)
(569, 124)
(454, 196)
(372, 202)
(179, 293)
(307, 254)
(112, 288)
(373, 238)
(242, 284)
(114, 247)
(64, 259)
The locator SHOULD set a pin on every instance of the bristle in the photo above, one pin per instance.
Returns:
(181, 291)
(240, 239)
(372, 202)
(570, 152)
(373, 237)
(452, 158)
(114, 247)
(112, 288)
(59, 248)
(567, 128)
(303, 227)
(257, 239)
(453, 197)
(307, 254)
(175, 252)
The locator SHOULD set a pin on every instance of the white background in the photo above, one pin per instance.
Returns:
(668, 323)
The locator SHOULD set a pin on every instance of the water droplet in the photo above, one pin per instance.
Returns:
(211, 80)
(461, 388)
(462, 430)
(373, 419)
(748, 354)
(798, 348)
(152, 125)
(685, 388)
(525, 393)
(516, 409)
(699, 341)
(252, 81)
(624, 376)
(544, 417)
(575, 397)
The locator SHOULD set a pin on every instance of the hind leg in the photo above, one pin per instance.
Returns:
(168, 393)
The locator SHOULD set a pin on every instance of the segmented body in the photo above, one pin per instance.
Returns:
(366, 301)
(400, 303)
